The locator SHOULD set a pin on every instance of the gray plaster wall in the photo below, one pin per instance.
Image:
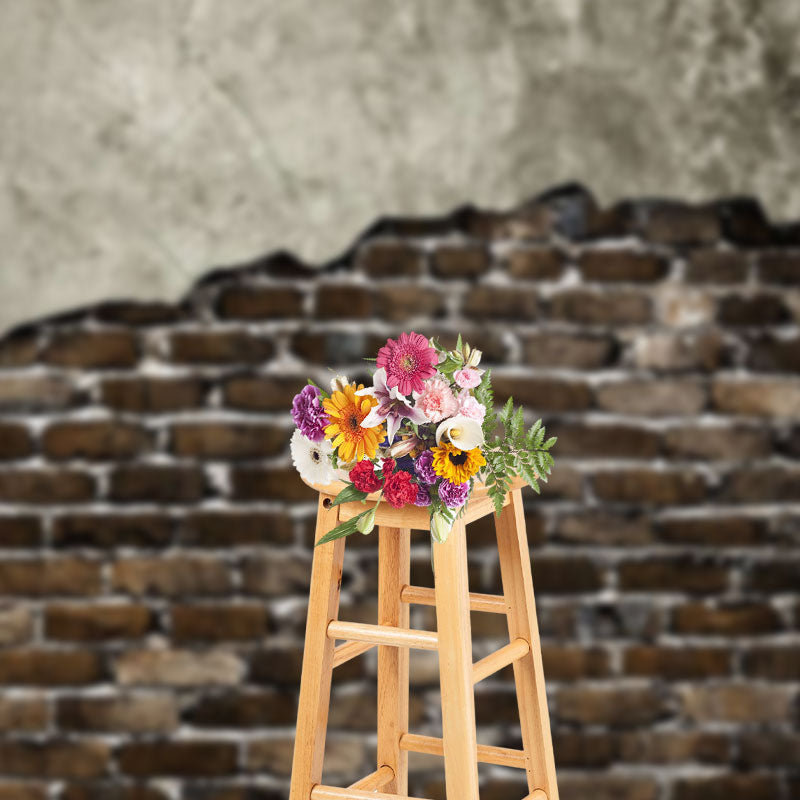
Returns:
(143, 142)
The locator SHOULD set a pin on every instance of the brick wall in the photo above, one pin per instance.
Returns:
(155, 543)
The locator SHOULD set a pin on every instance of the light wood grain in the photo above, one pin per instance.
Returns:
(375, 781)
(383, 634)
(348, 651)
(421, 595)
(487, 754)
(455, 665)
(515, 569)
(538, 794)
(500, 658)
(331, 793)
(315, 680)
(394, 565)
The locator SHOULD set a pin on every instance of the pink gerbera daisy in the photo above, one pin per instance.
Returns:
(408, 362)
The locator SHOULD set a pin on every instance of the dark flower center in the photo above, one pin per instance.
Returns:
(316, 455)
(353, 422)
(459, 458)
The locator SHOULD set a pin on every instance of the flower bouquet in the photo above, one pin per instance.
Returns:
(422, 434)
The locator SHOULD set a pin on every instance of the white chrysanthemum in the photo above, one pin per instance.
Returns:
(312, 459)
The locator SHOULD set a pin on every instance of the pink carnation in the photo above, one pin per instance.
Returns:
(467, 378)
(468, 406)
(437, 400)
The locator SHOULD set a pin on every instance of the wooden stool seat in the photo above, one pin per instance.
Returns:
(452, 640)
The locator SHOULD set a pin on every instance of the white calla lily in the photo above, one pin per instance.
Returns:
(463, 432)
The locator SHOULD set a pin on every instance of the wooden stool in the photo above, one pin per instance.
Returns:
(453, 602)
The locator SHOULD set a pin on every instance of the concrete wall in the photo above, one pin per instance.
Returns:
(141, 143)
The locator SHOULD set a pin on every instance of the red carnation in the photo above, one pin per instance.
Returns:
(388, 467)
(364, 478)
(399, 489)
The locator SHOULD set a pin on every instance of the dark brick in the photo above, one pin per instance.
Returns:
(670, 222)
(171, 577)
(582, 440)
(218, 623)
(95, 350)
(131, 312)
(783, 268)
(744, 222)
(769, 749)
(402, 303)
(729, 619)
(614, 707)
(172, 758)
(777, 663)
(343, 302)
(673, 747)
(391, 260)
(536, 264)
(275, 576)
(24, 714)
(96, 623)
(220, 347)
(331, 349)
(242, 302)
(35, 393)
(112, 530)
(129, 713)
(152, 395)
(15, 442)
(716, 266)
(231, 528)
(542, 394)
(50, 667)
(500, 302)
(715, 531)
(677, 663)
(652, 397)
(775, 576)
(773, 354)
(683, 574)
(255, 483)
(54, 759)
(20, 531)
(604, 528)
(112, 791)
(460, 261)
(221, 440)
(579, 351)
(45, 486)
(280, 664)
(760, 398)
(581, 749)
(763, 484)
(251, 709)
(620, 307)
(555, 575)
(262, 392)
(723, 443)
(621, 265)
(99, 441)
(725, 787)
(575, 663)
(39, 577)
(760, 309)
(649, 486)
(530, 222)
(19, 349)
(159, 484)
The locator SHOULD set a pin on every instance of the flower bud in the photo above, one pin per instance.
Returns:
(440, 528)
(339, 382)
(366, 522)
(474, 358)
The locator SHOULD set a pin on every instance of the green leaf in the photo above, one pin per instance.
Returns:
(344, 529)
(348, 495)
(550, 442)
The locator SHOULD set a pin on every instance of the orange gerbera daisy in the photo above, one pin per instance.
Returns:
(346, 411)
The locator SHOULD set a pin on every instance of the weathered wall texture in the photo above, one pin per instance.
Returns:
(155, 543)
(142, 141)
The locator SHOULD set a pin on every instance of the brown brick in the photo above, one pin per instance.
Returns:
(391, 260)
(542, 394)
(16, 624)
(760, 398)
(40, 577)
(250, 709)
(775, 576)
(220, 347)
(652, 397)
(230, 528)
(255, 483)
(717, 443)
(500, 302)
(55, 759)
(49, 667)
(684, 351)
(674, 747)
(158, 484)
(220, 440)
(670, 222)
(730, 619)
(575, 748)
(543, 263)
(179, 668)
(460, 261)
(575, 350)
(598, 786)
(621, 265)
(604, 528)
(677, 663)
(274, 756)
(112, 530)
(564, 484)
(262, 392)
(46, 486)
(172, 758)
(132, 312)
(112, 791)
(403, 303)
(145, 713)
(619, 307)
(649, 486)
(218, 623)
(343, 302)
(236, 791)
(776, 663)
(19, 349)
(683, 574)
(749, 310)
(152, 395)
(28, 714)
(738, 703)
(20, 531)
(714, 531)
(763, 484)
(773, 354)
(782, 268)
(275, 576)
(171, 577)
(22, 791)
(104, 440)
(15, 442)
(716, 266)
(32, 393)
(249, 302)
(575, 663)
(769, 749)
(599, 440)
(613, 706)
(555, 575)
(332, 348)
(96, 623)
(93, 350)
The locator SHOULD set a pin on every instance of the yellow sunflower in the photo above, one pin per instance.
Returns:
(346, 412)
(457, 466)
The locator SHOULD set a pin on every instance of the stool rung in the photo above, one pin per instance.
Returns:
(494, 662)
(375, 780)
(320, 792)
(349, 650)
(487, 754)
(491, 603)
(383, 634)
(536, 794)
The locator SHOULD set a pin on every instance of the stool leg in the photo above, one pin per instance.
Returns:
(515, 568)
(455, 666)
(315, 682)
(393, 574)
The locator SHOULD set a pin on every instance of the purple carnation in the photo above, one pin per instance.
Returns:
(454, 495)
(308, 414)
(423, 496)
(423, 466)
